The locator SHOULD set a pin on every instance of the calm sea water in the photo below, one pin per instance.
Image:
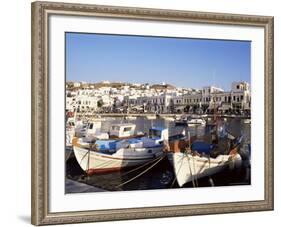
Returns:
(161, 176)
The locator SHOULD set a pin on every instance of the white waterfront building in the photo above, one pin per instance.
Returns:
(85, 103)
(159, 99)
(210, 97)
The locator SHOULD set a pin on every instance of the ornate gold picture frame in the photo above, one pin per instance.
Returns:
(41, 12)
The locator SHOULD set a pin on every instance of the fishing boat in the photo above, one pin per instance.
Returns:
(103, 162)
(127, 153)
(181, 120)
(196, 121)
(247, 121)
(98, 118)
(198, 162)
(130, 117)
(167, 118)
(190, 121)
(151, 117)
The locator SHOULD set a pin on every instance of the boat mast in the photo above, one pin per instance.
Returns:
(214, 131)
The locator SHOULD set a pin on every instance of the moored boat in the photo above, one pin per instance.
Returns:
(102, 162)
(151, 117)
(189, 167)
(197, 162)
(196, 121)
(191, 121)
(130, 117)
(247, 121)
(167, 118)
(119, 154)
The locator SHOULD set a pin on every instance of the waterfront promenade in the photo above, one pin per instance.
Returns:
(162, 115)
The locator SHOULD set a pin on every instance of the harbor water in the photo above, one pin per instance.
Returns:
(161, 176)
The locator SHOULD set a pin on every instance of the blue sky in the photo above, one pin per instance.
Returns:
(179, 61)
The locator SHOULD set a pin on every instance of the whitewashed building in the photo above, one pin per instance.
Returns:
(159, 99)
(86, 103)
(210, 97)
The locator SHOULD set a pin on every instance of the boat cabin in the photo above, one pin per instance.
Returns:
(88, 129)
(122, 130)
(93, 127)
(158, 133)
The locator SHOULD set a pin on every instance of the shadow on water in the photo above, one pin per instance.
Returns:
(161, 176)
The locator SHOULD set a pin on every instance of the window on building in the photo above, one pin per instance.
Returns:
(238, 87)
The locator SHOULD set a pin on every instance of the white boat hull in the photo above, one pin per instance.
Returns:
(196, 122)
(247, 121)
(168, 118)
(96, 162)
(188, 168)
(152, 117)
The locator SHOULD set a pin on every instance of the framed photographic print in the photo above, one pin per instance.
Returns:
(149, 113)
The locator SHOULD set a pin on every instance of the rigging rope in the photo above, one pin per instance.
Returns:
(139, 167)
(128, 181)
